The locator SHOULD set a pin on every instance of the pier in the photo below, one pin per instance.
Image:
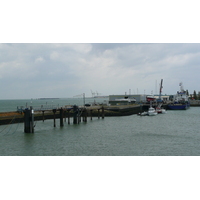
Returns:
(74, 112)
(29, 115)
(66, 115)
(71, 114)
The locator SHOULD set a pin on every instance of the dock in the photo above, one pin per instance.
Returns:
(68, 114)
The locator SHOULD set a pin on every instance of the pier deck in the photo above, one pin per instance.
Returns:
(91, 111)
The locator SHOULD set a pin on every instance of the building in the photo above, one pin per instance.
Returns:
(133, 98)
(126, 99)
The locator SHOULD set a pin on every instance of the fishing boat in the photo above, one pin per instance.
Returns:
(180, 100)
(178, 106)
(150, 98)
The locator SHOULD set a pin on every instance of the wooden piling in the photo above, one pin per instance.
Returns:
(85, 115)
(65, 117)
(29, 120)
(102, 112)
(54, 117)
(68, 116)
(43, 115)
(61, 117)
(79, 116)
(75, 110)
(90, 114)
(98, 113)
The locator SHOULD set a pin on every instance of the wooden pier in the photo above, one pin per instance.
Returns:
(29, 115)
(77, 113)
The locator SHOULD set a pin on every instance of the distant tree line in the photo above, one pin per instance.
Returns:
(195, 95)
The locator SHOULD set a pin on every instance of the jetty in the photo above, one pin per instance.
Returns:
(69, 114)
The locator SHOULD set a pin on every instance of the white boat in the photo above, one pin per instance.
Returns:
(152, 111)
(160, 110)
(126, 100)
(143, 114)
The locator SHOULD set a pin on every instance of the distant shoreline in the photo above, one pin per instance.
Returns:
(47, 98)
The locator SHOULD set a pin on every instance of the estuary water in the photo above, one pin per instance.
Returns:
(11, 105)
(176, 133)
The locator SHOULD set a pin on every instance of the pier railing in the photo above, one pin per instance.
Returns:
(40, 108)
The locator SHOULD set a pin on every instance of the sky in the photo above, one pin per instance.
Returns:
(50, 70)
(110, 47)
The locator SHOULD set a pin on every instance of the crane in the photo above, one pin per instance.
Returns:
(160, 93)
(93, 93)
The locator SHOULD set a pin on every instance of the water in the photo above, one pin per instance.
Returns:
(176, 133)
(11, 105)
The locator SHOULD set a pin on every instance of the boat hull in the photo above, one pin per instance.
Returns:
(152, 113)
(160, 111)
(178, 107)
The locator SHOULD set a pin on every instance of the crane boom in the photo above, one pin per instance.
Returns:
(161, 83)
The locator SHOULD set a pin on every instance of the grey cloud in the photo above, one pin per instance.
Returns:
(107, 68)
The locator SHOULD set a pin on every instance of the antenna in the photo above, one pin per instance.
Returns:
(156, 87)
(181, 86)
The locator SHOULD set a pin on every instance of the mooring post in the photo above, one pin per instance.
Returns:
(32, 120)
(65, 115)
(98, 113)
(102, 112)
(78, 113)
(43, 115)
(75, 110)
(54, 117)
(61, 117)
(91, 114)
(68, 117)
(29, 120)
(85, 115)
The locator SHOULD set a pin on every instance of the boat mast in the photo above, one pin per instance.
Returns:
(181, 87)
(160, 89)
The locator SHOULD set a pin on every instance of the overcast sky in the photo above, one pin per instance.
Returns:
(111, 47)
(38, 70)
